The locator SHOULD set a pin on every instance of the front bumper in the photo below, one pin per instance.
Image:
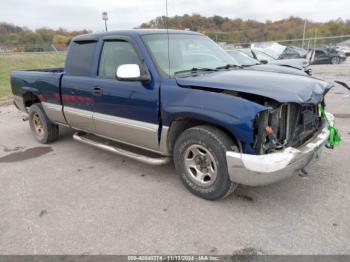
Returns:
(255, 170)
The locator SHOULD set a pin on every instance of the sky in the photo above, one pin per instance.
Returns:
(126, 14)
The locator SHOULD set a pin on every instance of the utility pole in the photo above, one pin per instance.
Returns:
(302, 46)
(315, 39)
(105, 18)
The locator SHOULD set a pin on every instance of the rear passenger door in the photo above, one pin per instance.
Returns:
(77, 85)
(126, 111)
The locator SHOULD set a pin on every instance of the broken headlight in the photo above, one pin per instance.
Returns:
(285, 125)
(271, 129)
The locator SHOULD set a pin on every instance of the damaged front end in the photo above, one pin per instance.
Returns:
(288, 137)
(286, 125)
(287, 134)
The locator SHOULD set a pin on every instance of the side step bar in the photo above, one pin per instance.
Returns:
(83, 138)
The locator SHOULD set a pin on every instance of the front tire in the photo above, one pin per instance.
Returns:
(43, 130)
(200, 161)
(335, 60)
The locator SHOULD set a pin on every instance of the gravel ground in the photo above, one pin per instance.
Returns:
(69, 198)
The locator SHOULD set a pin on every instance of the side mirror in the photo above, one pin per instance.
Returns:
(131, 72)
(264, 61)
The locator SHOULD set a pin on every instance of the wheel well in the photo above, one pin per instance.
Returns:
(181, 124)
(30, 99)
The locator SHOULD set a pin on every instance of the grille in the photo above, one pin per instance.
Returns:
(292, 124)
(304, 121)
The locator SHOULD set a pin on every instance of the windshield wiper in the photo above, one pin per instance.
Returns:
(248, 65)
(195, 70)
(228, 66)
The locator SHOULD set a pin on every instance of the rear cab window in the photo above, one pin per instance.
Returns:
(82, 58)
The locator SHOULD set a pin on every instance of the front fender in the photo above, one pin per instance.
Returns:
(234, 113)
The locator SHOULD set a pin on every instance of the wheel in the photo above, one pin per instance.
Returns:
(200, 161)
(335, 60)
(43, 130)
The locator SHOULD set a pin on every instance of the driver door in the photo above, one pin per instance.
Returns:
(126, 111)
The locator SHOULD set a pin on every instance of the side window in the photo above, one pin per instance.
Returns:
(82, 59)
(319, 53)
(114, 54)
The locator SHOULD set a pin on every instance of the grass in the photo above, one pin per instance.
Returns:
(25, 61)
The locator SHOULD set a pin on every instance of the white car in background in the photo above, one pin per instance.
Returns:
(344, 47)
(297, 63)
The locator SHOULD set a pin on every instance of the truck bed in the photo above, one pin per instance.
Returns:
(48, 70)
(45, 83)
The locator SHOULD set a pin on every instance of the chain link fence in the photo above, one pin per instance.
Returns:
(31, 48)
(225, 40)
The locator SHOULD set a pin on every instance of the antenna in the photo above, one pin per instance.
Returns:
(167, 31)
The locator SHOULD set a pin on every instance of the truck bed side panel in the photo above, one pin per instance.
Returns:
(45, 86)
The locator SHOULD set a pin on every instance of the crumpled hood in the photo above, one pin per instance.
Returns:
(296, 63)
(283, 88)
(278, 69)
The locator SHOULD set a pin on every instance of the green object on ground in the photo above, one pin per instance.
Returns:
(334, 136)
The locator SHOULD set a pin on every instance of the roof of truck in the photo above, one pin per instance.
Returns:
(96, 36)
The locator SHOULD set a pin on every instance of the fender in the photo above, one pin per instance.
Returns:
(234, 113)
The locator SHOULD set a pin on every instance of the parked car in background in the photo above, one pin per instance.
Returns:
(344, 47)
(328, 56)
(293, 52)
(249, 62)
(300, 63)
(278, 51)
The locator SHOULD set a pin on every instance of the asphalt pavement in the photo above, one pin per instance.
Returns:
(69, 198)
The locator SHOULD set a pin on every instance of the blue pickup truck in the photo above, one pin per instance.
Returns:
(157, 95)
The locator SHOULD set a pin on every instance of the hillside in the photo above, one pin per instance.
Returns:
(238, 30)
(15, 38)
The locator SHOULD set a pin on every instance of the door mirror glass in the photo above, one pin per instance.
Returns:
(129, 72)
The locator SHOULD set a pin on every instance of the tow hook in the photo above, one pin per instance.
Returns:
(303, 173)
(25, 118)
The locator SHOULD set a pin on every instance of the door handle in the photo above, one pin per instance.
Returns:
(97, 91)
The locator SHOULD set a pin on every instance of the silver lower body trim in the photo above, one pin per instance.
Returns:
(136, 133)
(79, 119)
(163, 146)
(132, 132)
(54, 112)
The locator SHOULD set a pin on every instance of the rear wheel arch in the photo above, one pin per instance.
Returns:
(29, 99)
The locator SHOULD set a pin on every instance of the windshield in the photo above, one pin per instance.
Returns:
(262, 56)
(242, 58)
(186, 52)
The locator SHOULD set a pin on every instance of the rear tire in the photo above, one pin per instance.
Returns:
(200, 161)
(43, 130)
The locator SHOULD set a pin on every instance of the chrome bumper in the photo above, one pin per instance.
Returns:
(255, 170)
